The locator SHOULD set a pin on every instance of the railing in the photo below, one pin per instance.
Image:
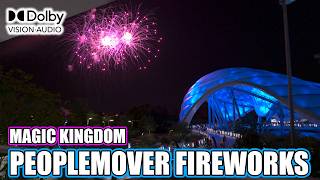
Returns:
(209, 131)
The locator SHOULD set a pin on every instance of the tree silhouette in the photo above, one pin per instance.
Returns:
(23, 103)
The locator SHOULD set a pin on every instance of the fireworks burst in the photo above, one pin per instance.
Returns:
(114, 37)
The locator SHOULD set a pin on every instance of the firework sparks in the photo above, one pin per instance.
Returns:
(112, 38)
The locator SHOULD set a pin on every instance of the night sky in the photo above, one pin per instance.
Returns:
(199, 37)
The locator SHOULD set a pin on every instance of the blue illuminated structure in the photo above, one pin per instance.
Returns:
(233, 92)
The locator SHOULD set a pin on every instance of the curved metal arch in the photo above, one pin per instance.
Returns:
(187, 117)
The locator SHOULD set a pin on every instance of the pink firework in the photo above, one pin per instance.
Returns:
(113, 38)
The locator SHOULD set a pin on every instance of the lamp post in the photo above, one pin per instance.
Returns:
(284, 4)
(131, 122)
(88, 120)
(110, 120)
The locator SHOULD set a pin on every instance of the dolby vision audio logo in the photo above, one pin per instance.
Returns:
(12, 15)
(29, 21)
